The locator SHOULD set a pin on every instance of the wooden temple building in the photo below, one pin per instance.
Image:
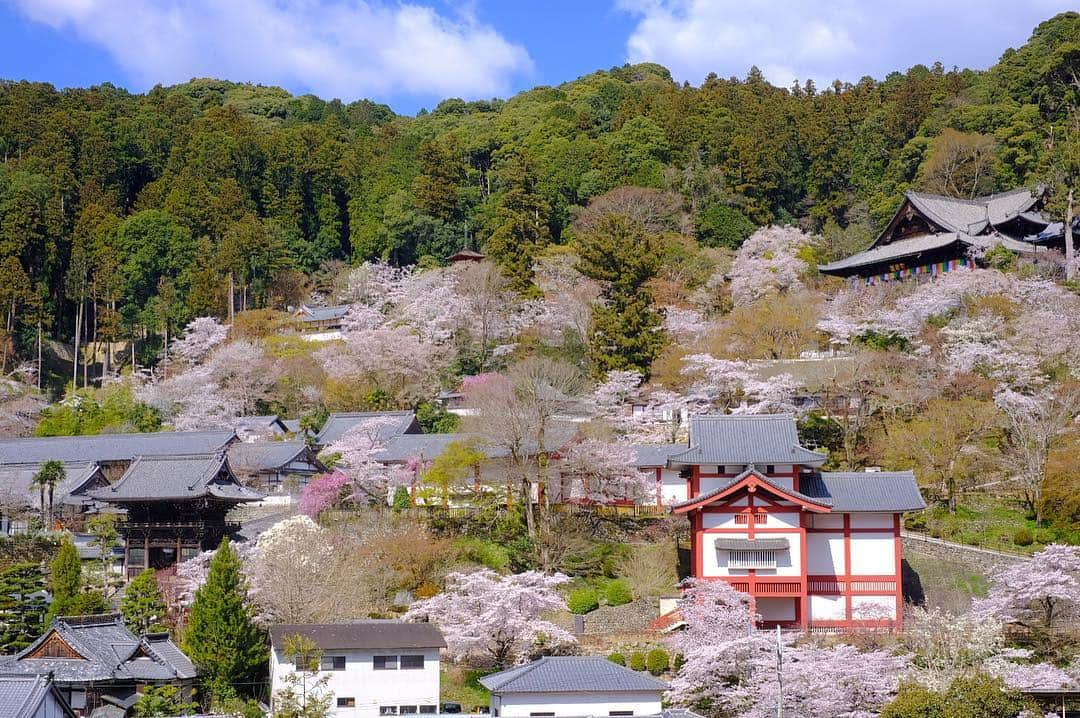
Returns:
(932, 234)
(176, 507)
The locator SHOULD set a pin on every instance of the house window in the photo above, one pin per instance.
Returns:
(346, 702)
(744, 519)
(385, 663)
(136, 556)
(620, 713)
(78, 700)
(429, 710)
(770, 469)
(406, 710)
(333, 663)
(412, 662)
(388, 710)
(754, 558)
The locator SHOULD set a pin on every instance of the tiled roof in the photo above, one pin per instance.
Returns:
(266, 455)
(745, 439)
(270, 422)
(569, 674)
(363, 634)
(405, 447)
(337, 425)
(21, 696)
(319, 314)
(653, 455)
(110, 652)
(780, 488)
(177, 477)
(867, 491)
(893, 250)
(16, 483)
(112, 447)
(293, 425)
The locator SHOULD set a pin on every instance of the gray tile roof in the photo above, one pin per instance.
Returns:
(270, 422)
(705, 497)
(110, 652)
(893, 250)
(745, 439)
(269, 455)
(293, 425)
(177, 477)
(112, 447)
(405, 447)
(16, 483)
(867, 491)
(320, 314)
(21, 696)
(653, 455)
(337, 425)
(363, 634)
(568, 674)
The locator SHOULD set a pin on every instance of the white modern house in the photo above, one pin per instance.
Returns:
(573, 686)
(375, 668)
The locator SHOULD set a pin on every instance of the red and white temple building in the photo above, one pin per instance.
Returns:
(815, 550)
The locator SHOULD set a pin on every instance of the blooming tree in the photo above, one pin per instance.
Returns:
(769, 262)
(600, 472)
(493, 620)
(1042, 595)
(616, 389)
(322, 492)
(736, 386)
(201, 336)
(357, 449)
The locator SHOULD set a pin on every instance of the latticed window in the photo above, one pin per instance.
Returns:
(744, 519)
(752, 558)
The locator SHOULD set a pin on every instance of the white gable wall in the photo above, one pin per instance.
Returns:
(564, 705)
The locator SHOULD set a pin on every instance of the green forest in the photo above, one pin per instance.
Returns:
(132, 213)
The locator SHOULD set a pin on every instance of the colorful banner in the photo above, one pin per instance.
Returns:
(898, 272)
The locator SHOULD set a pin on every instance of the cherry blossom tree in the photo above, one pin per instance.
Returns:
(322, 492)
(1041, 596)
(736, 386)
(685, 324)
(616, 390)
(201, 336)
(493, 620)
(569, 298)
(394, 359)
(945, 645)
(356, 451)
(769, 262)
(600, 472)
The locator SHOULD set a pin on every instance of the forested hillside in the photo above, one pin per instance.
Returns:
(132, 214)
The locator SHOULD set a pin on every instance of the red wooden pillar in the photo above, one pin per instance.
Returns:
(899, 623)
(847, 570)
(802, 609)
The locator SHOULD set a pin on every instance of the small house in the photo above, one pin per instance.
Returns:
(32, 697)
(375, 667)
(566, 686)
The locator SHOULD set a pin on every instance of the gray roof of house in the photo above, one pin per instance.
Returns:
(653, 455)
(337, 425)
(564, 674)
(842, 492)
(110, 652)
(269, 422)
(16, 483)
(269, 455)
(405, 447)
(363, 634)
(22, 695)
(293, 425)
(750, 470)
(865, 491)
(177, 477)
(744, 440)
(112, 447)
(317, 314)
(923, 243)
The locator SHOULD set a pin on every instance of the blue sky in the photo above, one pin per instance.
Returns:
(411, 54)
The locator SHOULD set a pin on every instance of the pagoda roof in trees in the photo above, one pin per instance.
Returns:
(112, 447)
(17, 483)
(168, 478)
(925, 225)
(745, 440)
(339, 424)
(751, 480)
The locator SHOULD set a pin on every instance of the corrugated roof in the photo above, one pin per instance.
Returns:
(21, 696)
(653, 455)
(268, 455)
(177, 477)
(577, 674)
(16, 483)
(868, 491)
(745, 439)
(110, 652)
(363, 634)
(112, 447)
(338, 424)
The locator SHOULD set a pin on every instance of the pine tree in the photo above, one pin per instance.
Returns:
(143, 607)
(22, 606)
(221, 639)
(66, 586)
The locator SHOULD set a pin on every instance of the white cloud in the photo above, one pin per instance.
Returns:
(340, 48)
(824, 40)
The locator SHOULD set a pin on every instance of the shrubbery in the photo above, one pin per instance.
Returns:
(582, 600)
(657, 661)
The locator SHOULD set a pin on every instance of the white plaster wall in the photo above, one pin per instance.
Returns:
(873, 607)
(782, 520)
(600, 703)
(827, 608)
(872, 521)
(825, 555)
(828, 521)
(873, 554)
(710, 484)
(674, 487)
(724, 520)
(714, 561)
(369, 687)
(776, 609)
